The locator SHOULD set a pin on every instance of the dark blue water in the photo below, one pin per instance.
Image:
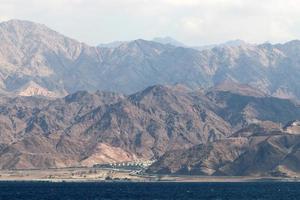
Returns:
(93, 191)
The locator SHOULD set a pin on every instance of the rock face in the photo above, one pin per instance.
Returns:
(33, 89)
(33, 52)
(254, 151)
(84, 129)
(259, 146)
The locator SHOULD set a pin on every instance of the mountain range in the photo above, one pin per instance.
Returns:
(230, 109)
(32, 54)
(84, 129)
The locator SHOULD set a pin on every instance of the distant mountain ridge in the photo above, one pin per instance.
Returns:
(231, 43)
(111, 44)
(58, 64)
(161, 40)
(169, 40)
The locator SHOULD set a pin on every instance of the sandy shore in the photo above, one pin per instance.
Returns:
(66, 174)
(99, 175)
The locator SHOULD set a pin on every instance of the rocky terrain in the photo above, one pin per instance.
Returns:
(257, 150)
(229, 109)
(83, 129)
(33, 54)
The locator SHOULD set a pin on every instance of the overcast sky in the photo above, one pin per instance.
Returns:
(194, 22)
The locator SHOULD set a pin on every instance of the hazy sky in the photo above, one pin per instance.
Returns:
(195, 22)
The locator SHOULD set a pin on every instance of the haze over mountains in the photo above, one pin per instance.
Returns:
(31, 52)
(162, 40)
(197, 110)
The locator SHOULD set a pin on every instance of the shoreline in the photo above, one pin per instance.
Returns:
(102, 175)
(167, 181)
(155, 180)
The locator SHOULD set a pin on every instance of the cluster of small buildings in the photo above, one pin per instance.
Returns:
(141, 164)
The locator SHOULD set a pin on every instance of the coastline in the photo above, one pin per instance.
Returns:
(84, 175)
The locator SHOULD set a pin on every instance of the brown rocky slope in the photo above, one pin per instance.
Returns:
(83, 129)
(252, 151)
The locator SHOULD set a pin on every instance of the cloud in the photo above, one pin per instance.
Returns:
(4, 18)
(192, 26)
(195, 22)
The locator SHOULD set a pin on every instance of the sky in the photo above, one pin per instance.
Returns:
(194, 22)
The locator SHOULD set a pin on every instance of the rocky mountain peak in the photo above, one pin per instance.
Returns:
(140, 46)
(152, 92)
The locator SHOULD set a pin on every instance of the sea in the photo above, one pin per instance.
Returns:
(158, 190)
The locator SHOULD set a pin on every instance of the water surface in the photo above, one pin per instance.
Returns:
(132, 191)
